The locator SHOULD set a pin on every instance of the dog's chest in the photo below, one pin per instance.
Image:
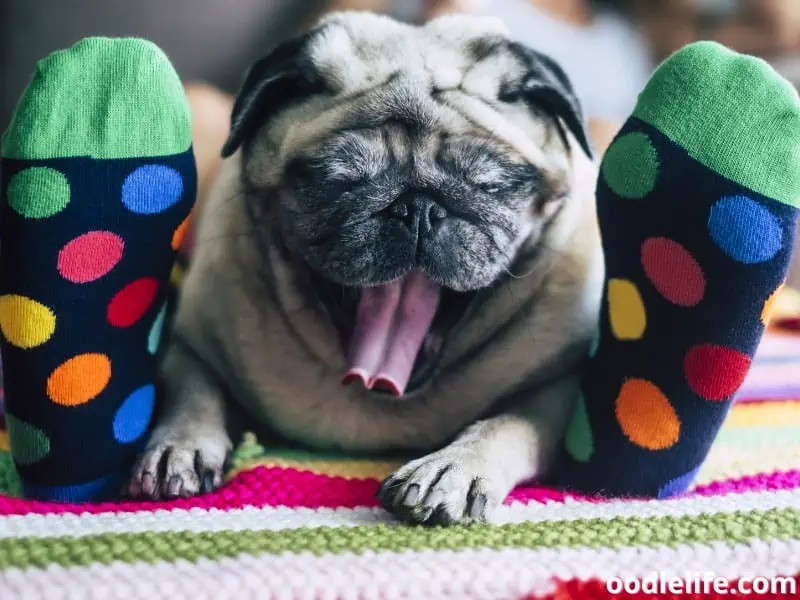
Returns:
(295, 388)
(303, 399)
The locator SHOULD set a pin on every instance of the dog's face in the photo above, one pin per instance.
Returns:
(405, 168)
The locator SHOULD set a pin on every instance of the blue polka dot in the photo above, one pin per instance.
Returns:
(154, 337)
(678, 485)
(152, 189)
(745, 230)
(99, 490)
(134, 415)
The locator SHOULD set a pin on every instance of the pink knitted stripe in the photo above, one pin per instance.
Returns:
(763, 482)
(262, 486)
(292, 488)
(772, 482)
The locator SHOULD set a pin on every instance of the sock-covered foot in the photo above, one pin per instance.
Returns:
(698, 200)
(98, 178)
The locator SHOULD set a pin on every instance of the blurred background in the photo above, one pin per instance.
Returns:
(608, 47)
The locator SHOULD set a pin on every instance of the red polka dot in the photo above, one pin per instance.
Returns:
(131, 302)
(90, 256)
(673, 271)
(715, 372)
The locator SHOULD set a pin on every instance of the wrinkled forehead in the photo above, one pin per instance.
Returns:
(354, 52)
(445, 76)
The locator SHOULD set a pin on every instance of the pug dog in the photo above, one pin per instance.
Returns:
(400, 254)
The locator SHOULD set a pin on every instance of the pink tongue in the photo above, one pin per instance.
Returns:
(391, 324)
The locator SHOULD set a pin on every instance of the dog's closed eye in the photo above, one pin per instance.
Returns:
(353, 156)
(482, 164)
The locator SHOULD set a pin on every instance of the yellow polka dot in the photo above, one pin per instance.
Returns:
(646, 416)
(769, 305)
(626, 310)
(79, 380)
(25, 323)
(176, 275)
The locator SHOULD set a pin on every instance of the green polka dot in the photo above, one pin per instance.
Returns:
(38, 192)
(10, 484)
(28, 443)
(630, 166)
(578, 441)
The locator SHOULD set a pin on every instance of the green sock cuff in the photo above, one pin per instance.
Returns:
(733, 113)
(79, 104)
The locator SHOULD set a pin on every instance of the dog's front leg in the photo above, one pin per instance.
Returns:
(188, 448)
(466, 480)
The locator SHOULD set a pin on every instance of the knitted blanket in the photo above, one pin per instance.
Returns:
(296, 525)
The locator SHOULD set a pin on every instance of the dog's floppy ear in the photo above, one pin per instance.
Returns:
(547, 86)
(281, 77)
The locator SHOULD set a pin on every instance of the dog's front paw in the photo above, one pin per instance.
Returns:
(452, 486)
(180, 464)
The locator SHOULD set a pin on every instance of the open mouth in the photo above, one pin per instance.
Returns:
(394, 333)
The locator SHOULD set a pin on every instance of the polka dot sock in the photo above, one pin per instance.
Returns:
(697, 200)
(98, 178)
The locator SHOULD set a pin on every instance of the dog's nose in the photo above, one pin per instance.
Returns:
(418, 212)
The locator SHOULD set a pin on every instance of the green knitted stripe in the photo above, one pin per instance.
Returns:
(103, 98)
(250, 449)
(732, 113)
(613, 533)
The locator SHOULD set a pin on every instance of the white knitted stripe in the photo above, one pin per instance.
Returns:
(429, 575)
(275, 519)
(729, 461)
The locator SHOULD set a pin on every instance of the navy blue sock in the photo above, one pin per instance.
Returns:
(698, 203)
(98, 179)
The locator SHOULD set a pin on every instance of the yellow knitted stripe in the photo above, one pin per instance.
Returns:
(764, 413)
(349, 469)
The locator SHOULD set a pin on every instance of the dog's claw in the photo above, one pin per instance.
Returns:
(174, 486)
(444, 488)
(412, 495)
(148, 485)
(180, 467)
(207, 483)
(477, 507)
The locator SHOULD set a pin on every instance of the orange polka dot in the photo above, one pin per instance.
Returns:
(646, 416)
(180, 232)
(769, 305)
(79, 380)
